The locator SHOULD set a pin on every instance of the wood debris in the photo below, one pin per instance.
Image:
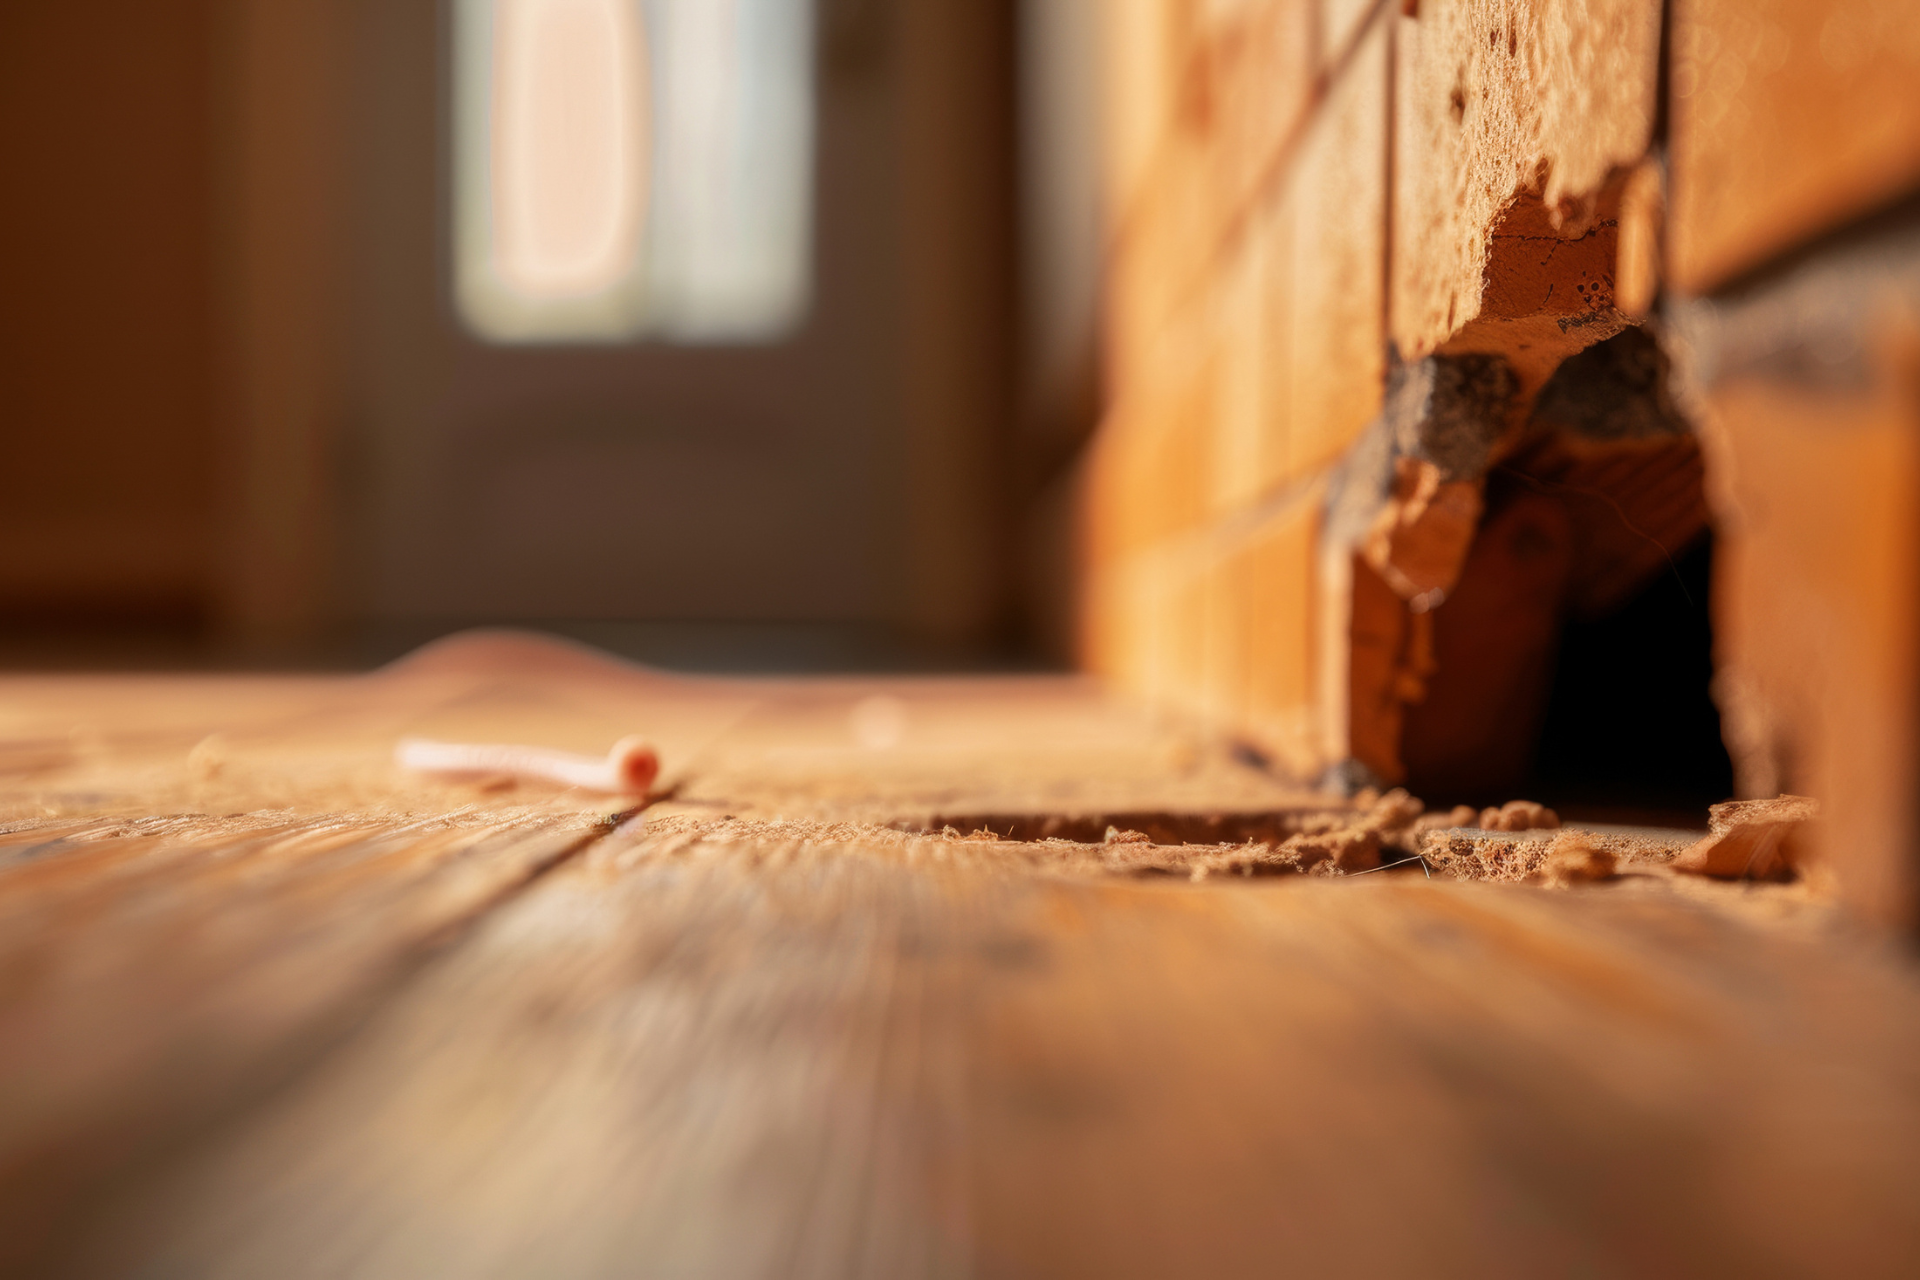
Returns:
(1750, 839)
(1518, 815)
(1575, 857)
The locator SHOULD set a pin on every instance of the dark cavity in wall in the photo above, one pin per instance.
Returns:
(1630, 725)
(1572, 660)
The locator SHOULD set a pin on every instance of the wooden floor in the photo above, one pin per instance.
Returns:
(270, 1008)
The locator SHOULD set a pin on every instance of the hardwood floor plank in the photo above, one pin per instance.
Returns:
(155, 973)
(742, 1049)
(84, 747)
(270, 1006)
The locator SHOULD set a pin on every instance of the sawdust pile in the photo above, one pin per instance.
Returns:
(1520, 842)
(1385, 833)
(1517, 843)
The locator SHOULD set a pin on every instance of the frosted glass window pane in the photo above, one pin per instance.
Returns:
(630, 168)
(569, 144)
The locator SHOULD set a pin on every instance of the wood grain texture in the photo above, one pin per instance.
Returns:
(1790, 118)
(1815, 627)
(155, 971)
(1496, 98)
(1206, 102)
(737, 1049)
(1306, 198)
(756, 1032)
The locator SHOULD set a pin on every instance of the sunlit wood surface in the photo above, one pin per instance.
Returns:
(270, 1008)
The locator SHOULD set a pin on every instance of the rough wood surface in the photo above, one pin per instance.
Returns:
(1790, 118)
(1308, 200)
(155, 971)
(734, 1050)
(1496, 98)
(752, 1031)
(1814, 475)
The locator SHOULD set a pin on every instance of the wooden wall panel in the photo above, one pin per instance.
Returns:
(1339, 23)
(107, 395)
(1264, 622)
(1793, 119)
(1484, 182)
(1807, 385)
(1247, 93)
(1201, 138)
(1790, 117)
(1246, 429)
(1247, 352)
(1338, 234)
(1818, 618)
(1496, 97)
(1252, 311)
(1141, 57)
(1152, 477)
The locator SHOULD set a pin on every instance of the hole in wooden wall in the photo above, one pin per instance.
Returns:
(1630, 725)
(1573, 658)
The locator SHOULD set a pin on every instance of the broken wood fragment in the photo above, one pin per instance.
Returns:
(1749, 839)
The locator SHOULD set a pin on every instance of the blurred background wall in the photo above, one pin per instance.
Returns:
(243, 421)
(107, 381)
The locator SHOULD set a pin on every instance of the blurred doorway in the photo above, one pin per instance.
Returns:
(829, 478)
(253, 419)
